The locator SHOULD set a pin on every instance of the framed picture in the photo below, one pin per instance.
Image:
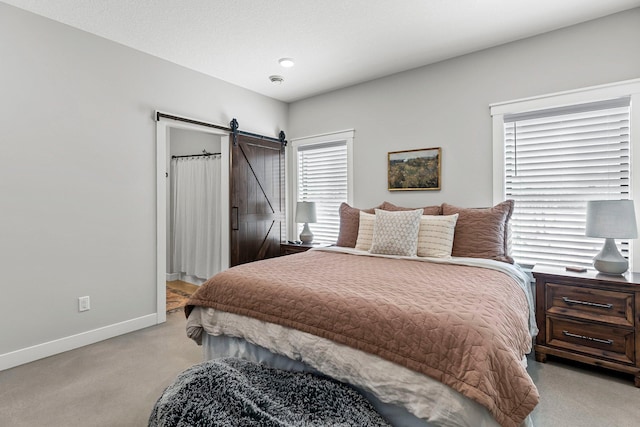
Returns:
(414, 169)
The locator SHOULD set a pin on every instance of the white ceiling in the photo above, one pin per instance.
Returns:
(335, 43)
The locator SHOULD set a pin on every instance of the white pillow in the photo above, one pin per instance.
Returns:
(396, 233)
(365, 232)
(435, 238)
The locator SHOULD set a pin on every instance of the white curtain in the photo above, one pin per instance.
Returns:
(195, 205)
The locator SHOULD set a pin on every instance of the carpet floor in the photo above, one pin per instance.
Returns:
(116, 382)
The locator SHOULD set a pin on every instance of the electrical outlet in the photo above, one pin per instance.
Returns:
(83, 304)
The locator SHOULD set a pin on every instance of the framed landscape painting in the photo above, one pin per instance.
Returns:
(414, 169)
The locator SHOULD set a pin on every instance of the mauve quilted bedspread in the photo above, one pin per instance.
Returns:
(464, 326)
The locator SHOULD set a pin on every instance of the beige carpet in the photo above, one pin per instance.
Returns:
(178, 294)
(114, 383)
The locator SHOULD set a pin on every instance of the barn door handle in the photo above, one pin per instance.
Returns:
(234, 218)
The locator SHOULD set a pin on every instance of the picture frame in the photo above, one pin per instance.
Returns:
(414, 169)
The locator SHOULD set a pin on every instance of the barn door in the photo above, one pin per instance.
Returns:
(257, 199)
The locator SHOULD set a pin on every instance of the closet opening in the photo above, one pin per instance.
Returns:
(192, 162)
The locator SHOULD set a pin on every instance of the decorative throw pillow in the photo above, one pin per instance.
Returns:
(435, 238)
(349, 223)
(396, 233)
(482, 233)
(427, 210)
(365, 231)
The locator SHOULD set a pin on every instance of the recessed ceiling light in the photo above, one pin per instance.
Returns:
(286, 62)
(276, 80)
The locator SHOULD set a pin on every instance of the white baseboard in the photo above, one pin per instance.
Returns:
(194, 280)
(40, 351)
(191, 279)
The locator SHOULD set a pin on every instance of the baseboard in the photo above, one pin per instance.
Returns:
(40, 351)
(185, 278)
(191, 279)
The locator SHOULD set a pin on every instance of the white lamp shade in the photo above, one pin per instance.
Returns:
(306, 212)
(611, 219)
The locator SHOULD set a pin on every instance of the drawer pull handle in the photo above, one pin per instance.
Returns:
(591, 304)
(601, 341)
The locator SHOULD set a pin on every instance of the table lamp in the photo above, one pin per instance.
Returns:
(306, 213)
(611, 219)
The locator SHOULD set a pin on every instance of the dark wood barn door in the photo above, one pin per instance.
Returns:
(257, 199)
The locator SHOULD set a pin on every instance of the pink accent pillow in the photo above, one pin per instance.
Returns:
(428, 210)
(349, 225)
(483, 232)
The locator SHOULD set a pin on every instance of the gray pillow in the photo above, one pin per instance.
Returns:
(396, 233)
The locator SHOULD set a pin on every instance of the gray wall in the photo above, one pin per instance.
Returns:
(77, 173)
(185, 142)
(447, 105)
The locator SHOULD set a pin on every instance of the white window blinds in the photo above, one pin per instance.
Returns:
(555, 161)
(322, 178)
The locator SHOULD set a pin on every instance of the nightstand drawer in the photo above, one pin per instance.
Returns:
(590, 304)
(597, 340)
(293, 248)
(290, 249)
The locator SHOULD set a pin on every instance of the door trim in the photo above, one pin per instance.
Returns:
(163, 126)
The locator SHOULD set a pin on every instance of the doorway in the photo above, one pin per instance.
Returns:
(166, 130)
(193, 206)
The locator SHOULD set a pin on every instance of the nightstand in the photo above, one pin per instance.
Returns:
(292, 248)
(589, 317)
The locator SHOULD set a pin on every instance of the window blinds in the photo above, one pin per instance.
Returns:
(556, 160)
(322, 178)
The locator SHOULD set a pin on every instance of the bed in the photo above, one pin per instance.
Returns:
(429, 340)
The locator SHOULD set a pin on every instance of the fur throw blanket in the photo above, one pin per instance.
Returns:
(233, 392)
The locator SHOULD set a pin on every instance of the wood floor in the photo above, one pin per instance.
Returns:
(178, 292)
(182, 286)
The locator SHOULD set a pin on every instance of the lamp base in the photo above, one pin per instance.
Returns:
(306, 236)
(609, 260)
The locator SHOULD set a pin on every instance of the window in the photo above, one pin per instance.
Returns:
(552, 161)
(556, 160)
(322, 175)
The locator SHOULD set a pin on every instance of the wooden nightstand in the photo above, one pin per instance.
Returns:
(292, 248)
(589, 317)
